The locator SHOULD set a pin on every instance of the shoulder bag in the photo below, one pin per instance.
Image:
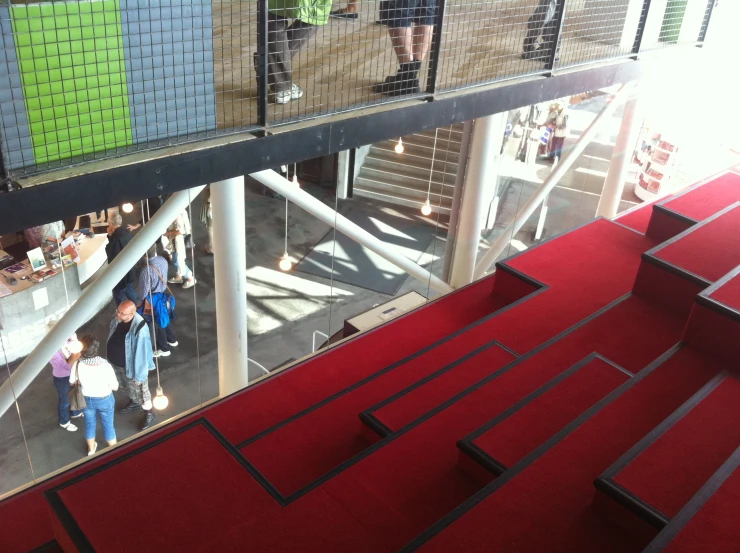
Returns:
(76, 399)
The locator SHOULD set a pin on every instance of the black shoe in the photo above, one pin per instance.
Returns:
(132, 406)
(342, 14)
(398, 85)
(149, 420)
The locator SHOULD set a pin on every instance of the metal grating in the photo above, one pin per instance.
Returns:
(84, 79)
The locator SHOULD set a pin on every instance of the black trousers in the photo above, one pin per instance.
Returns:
(163, 336)
(542, 23)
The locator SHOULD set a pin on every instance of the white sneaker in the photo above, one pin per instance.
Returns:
(91, 453)
(189, 284)
(159, 353)
(78, 415)
(173, 344)
(175, 280)
(296, 92)
(69, 426)
(283, 96)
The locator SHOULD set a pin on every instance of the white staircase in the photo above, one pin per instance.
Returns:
(403, 179)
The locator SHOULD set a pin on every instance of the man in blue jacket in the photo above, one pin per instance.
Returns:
(130, 352)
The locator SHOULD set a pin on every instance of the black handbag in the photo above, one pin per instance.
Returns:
(76, 399)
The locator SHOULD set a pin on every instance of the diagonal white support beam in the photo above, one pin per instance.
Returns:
(304, 200)
(553, 178)
(93, 296)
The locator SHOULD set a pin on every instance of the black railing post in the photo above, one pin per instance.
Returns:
(436, 48)
(641, 27)
(559, 18)
(262, 68)
(707, 20)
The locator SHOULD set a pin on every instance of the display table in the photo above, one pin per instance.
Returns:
(383, 313)
(92, 256)
(31, 309)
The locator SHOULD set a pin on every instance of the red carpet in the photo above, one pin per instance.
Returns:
(511, 439)
(729, 292)
(670, 471)
(710, 249)
(637, 218)
(712, 196)
(712, 525)
(288, 465)
(543, 505)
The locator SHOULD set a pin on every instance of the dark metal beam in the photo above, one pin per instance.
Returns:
(63, 196)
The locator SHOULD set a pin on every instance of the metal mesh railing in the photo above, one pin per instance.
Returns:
(84, 79)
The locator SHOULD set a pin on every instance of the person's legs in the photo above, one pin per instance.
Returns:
(62, 386)
(160, 335)
(91, 423)
(145, 397)
(279, 69)
(106, 408)
(422, 41)
(556, 147)
(170, 335)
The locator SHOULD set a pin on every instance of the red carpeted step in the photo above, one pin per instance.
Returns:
(707, 197)
(728, 291)
(414, 474)
(658, 476)
(544, 503)
(518, 431)
(708, 522)
(190, 492)
(708, 250)
(300, 387)
(638, 217)
(294, 455)
(400, 409)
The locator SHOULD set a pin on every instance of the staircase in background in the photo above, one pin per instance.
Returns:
(403, 179)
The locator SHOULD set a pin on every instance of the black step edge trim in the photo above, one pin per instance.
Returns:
(512, 472)
(48, 546)
(66, 518)
(488, 461)
(705, 297)
(605, 483)
(650, 256)
(701, 497)
(374, 423)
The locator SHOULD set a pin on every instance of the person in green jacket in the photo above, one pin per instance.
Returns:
(284, 41)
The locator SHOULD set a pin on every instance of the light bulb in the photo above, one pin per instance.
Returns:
(127, 207)
(160, 401)
(295, 181)
(426, 209)
(399, 146)
(285, 263)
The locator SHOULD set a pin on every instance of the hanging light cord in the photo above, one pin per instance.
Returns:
(286, 226)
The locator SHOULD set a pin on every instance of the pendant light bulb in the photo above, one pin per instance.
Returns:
(160, 401)
(127, 207)
(75, 346)
(285, 263)
(399, 147)
(426, 209)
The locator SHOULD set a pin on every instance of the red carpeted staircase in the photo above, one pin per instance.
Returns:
(578, 400)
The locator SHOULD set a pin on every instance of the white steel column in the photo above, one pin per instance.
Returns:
(621, 161)
(230, 272)
(480, 177)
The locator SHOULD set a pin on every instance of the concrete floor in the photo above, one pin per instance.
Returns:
(284, 308)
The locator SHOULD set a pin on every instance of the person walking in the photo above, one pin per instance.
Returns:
(98, 381)
(175, 235)
(60, 370)
(410, 25)
(130, 353)
(118, 238)
(153, 289)
(285, 40)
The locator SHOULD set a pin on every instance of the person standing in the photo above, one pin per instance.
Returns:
(542, 31)
(206, 216)
(60, 370)
(98, 382)
(558, 122)
(284, 41)
(410, 25)
(130, 352)
(176, 244)
(50, 232)
(153, 288)
(118, 238)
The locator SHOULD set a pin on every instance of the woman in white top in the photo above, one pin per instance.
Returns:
(176, 234)
(98, 383)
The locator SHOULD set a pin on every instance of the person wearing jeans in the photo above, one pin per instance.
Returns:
(118, 238)
(176, 244)
(98, 383)
(60, 370)
(153, 288)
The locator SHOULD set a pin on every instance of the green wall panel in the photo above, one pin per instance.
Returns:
(72, 68)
